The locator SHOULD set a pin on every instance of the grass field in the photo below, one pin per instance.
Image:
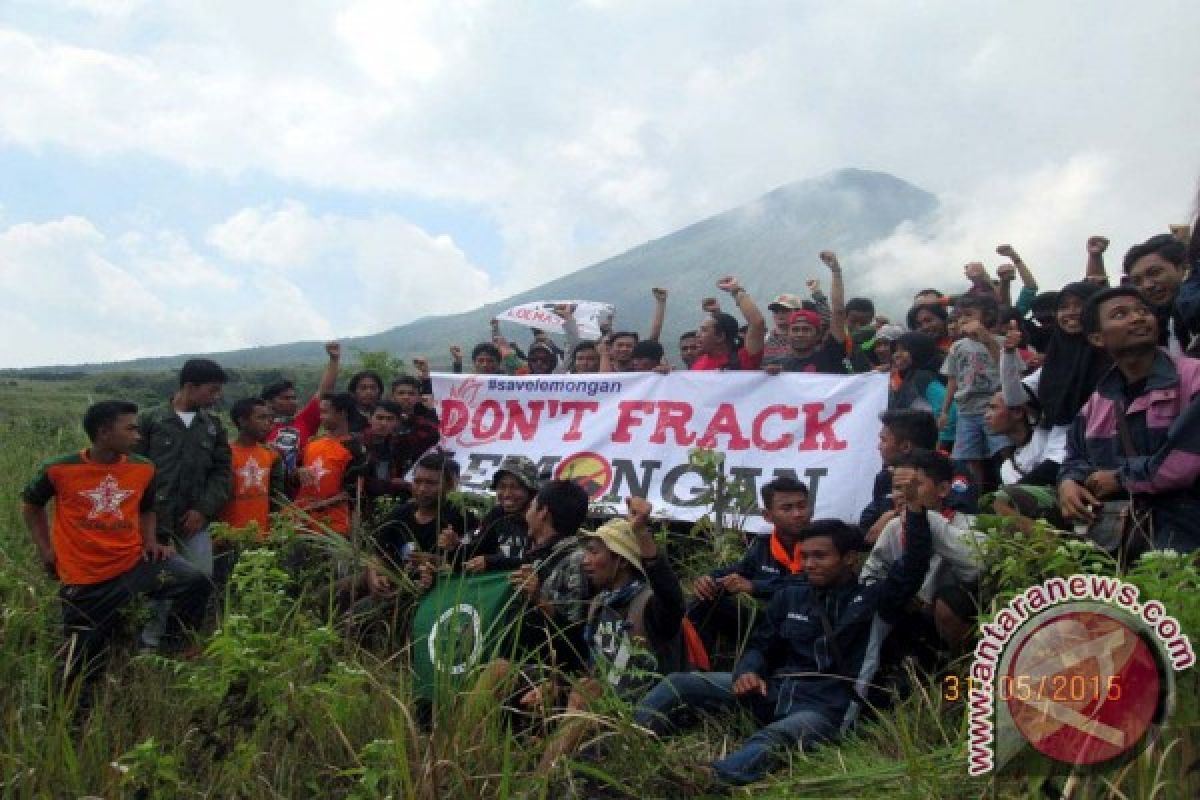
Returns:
(280, 705)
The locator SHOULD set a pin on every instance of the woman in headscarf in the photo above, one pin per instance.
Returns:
(1072, 367)
(915, 381)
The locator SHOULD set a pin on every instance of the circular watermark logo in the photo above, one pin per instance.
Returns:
(1082, 685)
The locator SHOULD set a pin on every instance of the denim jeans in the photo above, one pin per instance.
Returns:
(91, 611)
(713, 691)
(197, 551)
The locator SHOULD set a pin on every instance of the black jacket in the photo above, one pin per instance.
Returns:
(759, 567)
(790, 646)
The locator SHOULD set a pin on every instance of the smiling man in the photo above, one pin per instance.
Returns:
(1138, 435)
(1157, 268)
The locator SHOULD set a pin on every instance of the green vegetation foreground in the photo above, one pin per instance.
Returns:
(280, 705)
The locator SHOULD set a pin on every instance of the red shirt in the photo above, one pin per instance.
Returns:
(291, 435)
(745, 361)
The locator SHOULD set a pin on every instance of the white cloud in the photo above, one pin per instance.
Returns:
(382, 268)
(104, 297)
(581, 129)
(1046, 215)
(286, 237)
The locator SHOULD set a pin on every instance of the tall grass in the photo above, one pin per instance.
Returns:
(280, 705)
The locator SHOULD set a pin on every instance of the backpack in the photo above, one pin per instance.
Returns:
(683, 652)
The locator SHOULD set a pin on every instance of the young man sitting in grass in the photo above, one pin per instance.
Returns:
(633, 622)
(503, 534)
(945, 603)
(767, 565)
(796, 676)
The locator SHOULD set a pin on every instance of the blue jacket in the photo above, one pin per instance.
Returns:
(790, 648)
(759, 567)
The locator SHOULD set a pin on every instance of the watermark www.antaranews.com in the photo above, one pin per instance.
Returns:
(1081, 683)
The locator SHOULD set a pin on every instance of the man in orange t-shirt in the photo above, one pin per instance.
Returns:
(102, 545)
(258, 479)
(331, 468)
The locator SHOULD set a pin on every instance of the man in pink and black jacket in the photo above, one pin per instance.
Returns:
(1157, 457)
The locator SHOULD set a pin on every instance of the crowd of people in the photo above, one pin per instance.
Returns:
(1074, 408)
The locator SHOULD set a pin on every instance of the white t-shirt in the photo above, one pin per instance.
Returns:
(1043, 445)
(186, 417)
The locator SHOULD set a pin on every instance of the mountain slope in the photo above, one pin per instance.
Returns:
(770, 243)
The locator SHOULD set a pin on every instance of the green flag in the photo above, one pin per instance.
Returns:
(463, 622)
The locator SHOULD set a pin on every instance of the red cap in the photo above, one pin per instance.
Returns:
(804, 315)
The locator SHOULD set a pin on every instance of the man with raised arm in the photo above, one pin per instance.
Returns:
(812, 351)
(797, 674)
(717, 335)
(290, 430)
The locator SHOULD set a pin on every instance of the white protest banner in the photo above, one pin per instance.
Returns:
(588, 316)
(630, 433)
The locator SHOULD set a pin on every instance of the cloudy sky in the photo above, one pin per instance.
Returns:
(183, 176)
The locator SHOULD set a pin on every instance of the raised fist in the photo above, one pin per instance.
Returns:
(710, 305)
(456, 353)
(830, 259)
(813, 285)
(728, 284)
(975, 272)
(1096, 245)
(660, 294)
(639, 510)
(1006, 272)
(333, 350)
(1007, 251)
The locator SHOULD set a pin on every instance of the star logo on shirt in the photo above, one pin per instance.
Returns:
(106, 498)
(318, 469)
(252, 475)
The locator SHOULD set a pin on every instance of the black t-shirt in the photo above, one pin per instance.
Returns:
(502, 539)
(828, 358)
(401, 529)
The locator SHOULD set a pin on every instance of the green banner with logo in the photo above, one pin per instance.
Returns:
(462, 623)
